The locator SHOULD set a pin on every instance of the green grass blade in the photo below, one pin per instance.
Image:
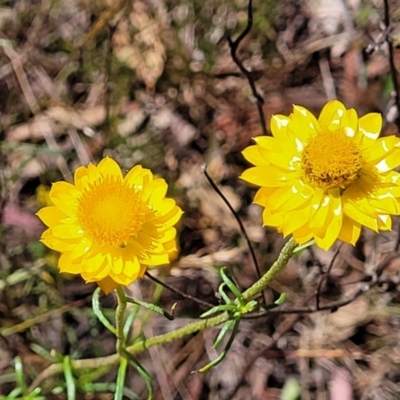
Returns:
(69, 378)
(99, 313)
(120, 384)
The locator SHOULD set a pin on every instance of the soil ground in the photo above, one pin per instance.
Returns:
(153, 82)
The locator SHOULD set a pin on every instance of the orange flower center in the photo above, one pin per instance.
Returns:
(331, 160)
(110, 212)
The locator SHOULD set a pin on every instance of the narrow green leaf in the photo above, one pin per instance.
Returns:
(225, 351)
(69, 378)
(151, 307)
(143, 373)
(120, 384)
(302, 247)
(217, 309)
(223, 295)
(231, 285)
(129, 320)
(19, 372)
(223, 332)
(281, 299)
(99, 313)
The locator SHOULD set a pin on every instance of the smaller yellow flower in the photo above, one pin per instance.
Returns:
(42, 196)
(324, 179)
(109, 227)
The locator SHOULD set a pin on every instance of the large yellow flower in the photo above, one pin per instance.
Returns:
(108, 227)
(324, 179)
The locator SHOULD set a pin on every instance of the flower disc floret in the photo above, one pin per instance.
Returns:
(325, 178)
(108, 227)
(110, 212)
(331, 160)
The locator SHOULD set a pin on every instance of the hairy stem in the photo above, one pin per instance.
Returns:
(119, 319)
(191, 328)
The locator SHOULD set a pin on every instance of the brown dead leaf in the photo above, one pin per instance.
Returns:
(56, 119)
(138, 44)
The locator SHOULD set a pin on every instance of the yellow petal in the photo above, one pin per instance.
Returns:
(93, 174)
(320, 216)
(262, 195)
(147, 176)
(156, 259)
(303, 124)
(109, 167)
(316, 201)
(132, 268)
(275, 219)
(252, 155)
(269, 144)
(288, 197)
(293, 220)
(67, 231)
(117, 266)
(157, 190)
(300, 136)
(326, 236)
(331, 115)
(107, 285)
(51, 216)
(94, 262)
(286, 161)
(384, 222)
(353, 212)
(81, 248)
(266, 176)
(370, 125)
(66, 265)
(64, 196)
(279, 125)
(96, 275)
(350, 231)
(171, 217)
(384, 202)
(391, 177)
(80, 174)
(134, 176)
(56, 244)
(349, 123)
(303, 234)
(388, 163)
(380, 148)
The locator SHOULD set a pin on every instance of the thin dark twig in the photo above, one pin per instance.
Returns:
(397, 243)
(233, 45)
(393, 71)
(165, 314)
(238, 220)
(375, 46)
(333, 306)
(177, 291)
(325, 277)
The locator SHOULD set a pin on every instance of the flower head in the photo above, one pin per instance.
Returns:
(324, 179)
(109, 227)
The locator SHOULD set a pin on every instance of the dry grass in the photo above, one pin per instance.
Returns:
(153, 82)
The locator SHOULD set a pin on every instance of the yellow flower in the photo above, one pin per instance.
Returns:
(108, 227)
(42, 195)
(324, 179)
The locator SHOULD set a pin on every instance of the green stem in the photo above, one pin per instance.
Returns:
(120, 384)
(177, 334)
(193, 327)
(283, 258)
(119, 319)
(257, 288)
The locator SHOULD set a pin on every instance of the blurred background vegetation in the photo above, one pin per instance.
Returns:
(153, 82)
